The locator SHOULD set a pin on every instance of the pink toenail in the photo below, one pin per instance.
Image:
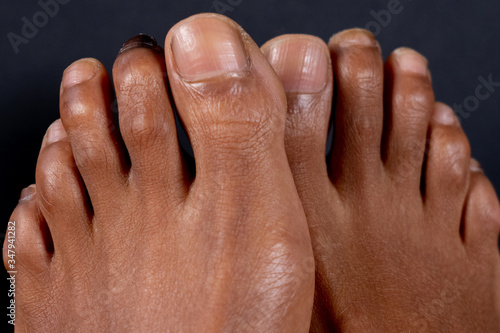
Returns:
(80, 71)
(411, 61)
(56, 132)
(208, 47)
(302, 64)
(444, 115)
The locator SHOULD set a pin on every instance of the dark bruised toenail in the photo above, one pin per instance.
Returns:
(56, 132)
(208, 47)
(141, 41)
(28, 193)
(352, 37)
(475, 165)
(411, 61)
(301, 63)
(80, 71)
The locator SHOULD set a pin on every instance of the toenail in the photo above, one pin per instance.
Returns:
(56, 132)
(141, 41)
(301, 63)
(444, 115)
(27, 193)
(208, 47)
(411, 61)
(352, 37)
(80, 71)
(475, 165)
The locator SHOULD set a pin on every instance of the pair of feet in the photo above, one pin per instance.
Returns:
(396, 231)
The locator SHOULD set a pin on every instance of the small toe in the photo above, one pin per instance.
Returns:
(409, 100)
(233, 107)
(358, 70)
(227, 95)
(147, 122)
(446, 173)
(27, 243)
(86, 112)
(482, 211)
(61, 194)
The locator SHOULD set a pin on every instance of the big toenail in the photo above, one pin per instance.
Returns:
(208, 47)
(411, 61)
(301, 63)
(56, 132)
(141, 41)
(444, 115)
(80, 71)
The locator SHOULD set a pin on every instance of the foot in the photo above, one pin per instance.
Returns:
(404, 224)
(119, 236)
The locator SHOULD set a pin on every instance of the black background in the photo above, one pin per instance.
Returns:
(460, 39)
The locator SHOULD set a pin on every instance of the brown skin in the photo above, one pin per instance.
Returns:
(390, 257)
(405, 239)
(152, 248)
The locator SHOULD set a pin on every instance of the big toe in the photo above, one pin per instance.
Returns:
(229, 99)
(233, 107)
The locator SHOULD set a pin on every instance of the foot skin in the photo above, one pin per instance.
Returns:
(404, 224)
(118, 236)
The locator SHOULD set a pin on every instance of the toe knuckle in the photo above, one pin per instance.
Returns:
(138, 88)
(140, 123)
(89, 149)
(49, 186)
(456, 155)
(246, 104)
(367, 126)
(93, 156)
(244, 137)
(254, 131)
(419, 100)
(143, 127)
(75, 109)
(367, 83)
(52, 163)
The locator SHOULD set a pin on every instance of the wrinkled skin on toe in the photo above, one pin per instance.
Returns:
(119, 235)
(404, 224)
